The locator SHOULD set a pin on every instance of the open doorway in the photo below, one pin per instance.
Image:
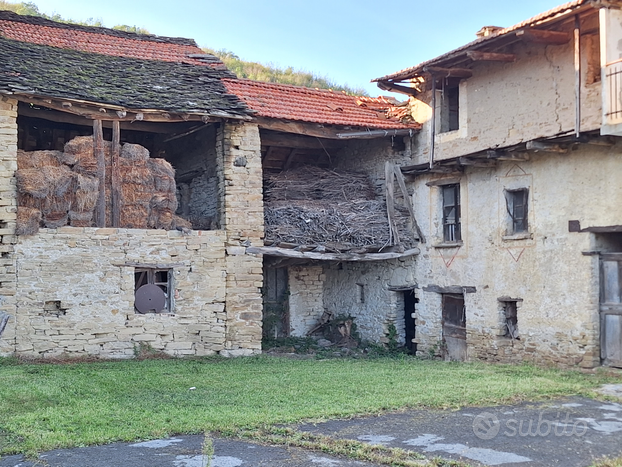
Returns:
(275, 303)
(409, 320)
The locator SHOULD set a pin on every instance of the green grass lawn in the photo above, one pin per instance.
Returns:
(45, 406)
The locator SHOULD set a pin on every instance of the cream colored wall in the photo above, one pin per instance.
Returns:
(504, 104)
(558, 317)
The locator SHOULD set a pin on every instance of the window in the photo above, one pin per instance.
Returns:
(451, 213)
(449, 107)
(152, 290)
(516, 203)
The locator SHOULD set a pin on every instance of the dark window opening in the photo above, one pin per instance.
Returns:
(510, 317)
(361, 290)
(516, 204)
(451, 213)
(449, 107)
(152, 289)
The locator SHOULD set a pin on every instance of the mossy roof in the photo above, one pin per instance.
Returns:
(27, 68)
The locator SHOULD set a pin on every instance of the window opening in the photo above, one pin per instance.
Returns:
(152, 289)
(510, 317)
(516, 203)
(451, 213)
(361, 290)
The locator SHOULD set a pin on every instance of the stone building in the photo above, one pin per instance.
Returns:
(517, 181)
(105, 281)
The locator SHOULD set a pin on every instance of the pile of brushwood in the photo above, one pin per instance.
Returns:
(332, 210)
(58, 188)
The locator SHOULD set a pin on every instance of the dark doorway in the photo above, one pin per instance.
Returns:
(409, 320)
(275, 303)
(454, 328)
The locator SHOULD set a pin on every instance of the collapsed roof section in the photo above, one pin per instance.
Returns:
(545, 28)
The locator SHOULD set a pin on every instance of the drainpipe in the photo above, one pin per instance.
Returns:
(577, 75)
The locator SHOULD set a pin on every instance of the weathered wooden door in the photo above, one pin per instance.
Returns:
(611, 309)
(275, 303)
(409, 320)
(454, 328)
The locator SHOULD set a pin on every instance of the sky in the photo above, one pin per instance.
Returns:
(347, 41)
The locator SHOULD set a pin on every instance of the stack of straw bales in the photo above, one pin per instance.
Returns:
(61, 188)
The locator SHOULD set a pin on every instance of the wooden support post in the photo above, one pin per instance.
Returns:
(98, 152)
(114, 175)
(389, 174)
(433, 122)
(402, 184)
(577, 75)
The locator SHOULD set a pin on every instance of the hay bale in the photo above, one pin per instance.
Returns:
(162, 201)
(87, 192)
(32, 182)
(160, 219)
(161, 167)
(28, 221)
(81, 219)
(134, 152)
(138, 173)
(80, 145)
(38, 159)
(134, 216)
(54, 220)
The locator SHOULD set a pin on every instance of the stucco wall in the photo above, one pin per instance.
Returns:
(558, 316)
(504, 104)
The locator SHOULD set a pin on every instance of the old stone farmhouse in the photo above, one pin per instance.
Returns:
(132, 206)
(517, 181)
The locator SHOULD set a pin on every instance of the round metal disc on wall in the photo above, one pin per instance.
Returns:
(148, 298)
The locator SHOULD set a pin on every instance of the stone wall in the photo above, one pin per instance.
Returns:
(242, 183)
(558, 317)
(75, 292)
(8, 216)
(361, 290)
(306, 292)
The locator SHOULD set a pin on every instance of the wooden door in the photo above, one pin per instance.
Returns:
(275, 303)
(454, 327)
(611, 309)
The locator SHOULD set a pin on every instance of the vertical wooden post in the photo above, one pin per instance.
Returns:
(98, 152)
(114, 175)
(433, 122)
(389, 174)
(577, 74)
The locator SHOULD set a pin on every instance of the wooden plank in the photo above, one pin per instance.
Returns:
(443, 181)
(98, 152)
(539, 36)
(115, 175)
(394, 238)
(440, 72)
(344, 257)
(477, 56)
(545, 147)
(577, 75)
(450, 289)
(299, 128)
(402, 184)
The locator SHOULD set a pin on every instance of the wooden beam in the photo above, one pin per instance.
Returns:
(399, 176)
(115, 175)
(452, 289)
(545, 147)
(390, 200)
(290, 159)
(64, 117)
(477, 56)
(476, 162)
(439, 72)
(539, 36)
(98, 151)
(389, 86)
(342, 257)
(280, 140)
(299, 128)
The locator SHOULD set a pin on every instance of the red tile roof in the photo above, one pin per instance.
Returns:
(98, 40)
(287, 102)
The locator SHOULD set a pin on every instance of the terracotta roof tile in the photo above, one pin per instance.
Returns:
(99, 40)
(318, 106)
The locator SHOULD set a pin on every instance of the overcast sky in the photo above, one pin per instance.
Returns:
(347, 41)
